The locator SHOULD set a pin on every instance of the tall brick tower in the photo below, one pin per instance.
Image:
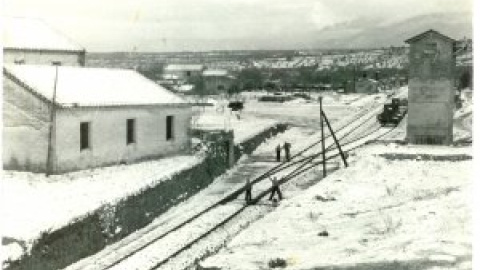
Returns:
(431, 89)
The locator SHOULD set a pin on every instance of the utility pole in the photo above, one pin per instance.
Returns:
(342, 154)
(323, 139)
(354, 78)
(51, 132)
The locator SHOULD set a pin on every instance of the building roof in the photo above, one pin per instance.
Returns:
(215, 72)
(34, 34)
(80, 86)
(431, 31)
(170, 77)
(184, 67)
(184, 87)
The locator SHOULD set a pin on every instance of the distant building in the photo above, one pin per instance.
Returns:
(184, 71)
(217, 81)
(101, 117)
(184, 88)
(367, 86)
(170, 81)
(31, 41)
(431, 88)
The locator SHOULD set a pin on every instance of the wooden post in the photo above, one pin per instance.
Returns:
(335, 139)
(51, 131)
(323, 139)
(354, 78)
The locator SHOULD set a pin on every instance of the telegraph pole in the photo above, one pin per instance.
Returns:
(354, 78)
(323, 139)
(51, 133)
(344, 158)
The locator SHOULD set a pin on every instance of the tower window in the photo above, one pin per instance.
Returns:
(84, 135)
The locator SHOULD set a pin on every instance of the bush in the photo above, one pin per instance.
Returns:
(280, 99)
(302, 95)
(277, 263)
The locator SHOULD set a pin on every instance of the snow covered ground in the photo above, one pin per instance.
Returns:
(77, 194)
(379, 213)
(243, 128)
(258, 116)
(260, 161)
(32, 203)
(255, 164)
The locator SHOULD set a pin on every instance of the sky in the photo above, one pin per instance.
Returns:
(176, 25)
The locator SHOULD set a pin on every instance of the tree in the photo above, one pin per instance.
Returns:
(153, 71)
(199, 85)
(250, 78)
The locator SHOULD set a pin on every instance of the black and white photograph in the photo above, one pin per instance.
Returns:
(237, 135)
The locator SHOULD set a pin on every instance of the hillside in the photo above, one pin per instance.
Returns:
(366, 34)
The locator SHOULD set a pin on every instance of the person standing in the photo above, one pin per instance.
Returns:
(275, 189)
(248, 191)
(279, 152)
(287, 146)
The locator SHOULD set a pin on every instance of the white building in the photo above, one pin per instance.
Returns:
(101, 117)
(184, 71)
(31, 41)
(217, 81)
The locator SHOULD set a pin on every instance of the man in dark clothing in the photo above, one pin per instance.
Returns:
(287, 146)
(275, 189)
(279, 152)
(248, 191)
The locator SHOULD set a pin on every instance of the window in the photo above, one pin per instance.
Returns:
(19, 61)
(430, 48)
(169, 127)
(84, 135)
(189, 73)
(130, 131)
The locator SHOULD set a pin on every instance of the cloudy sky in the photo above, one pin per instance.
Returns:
(175, 25)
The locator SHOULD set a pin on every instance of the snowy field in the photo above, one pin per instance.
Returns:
(248, 167)
(32, 203)
(377, 214)
(260, 161)
(61, 198)
(258, 116)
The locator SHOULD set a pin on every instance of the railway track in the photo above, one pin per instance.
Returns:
(308, 164)
(199, 226)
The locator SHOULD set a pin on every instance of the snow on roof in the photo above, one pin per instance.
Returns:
(79, 86)
(215, 72)
(170, 77)
(184, 67)
(34, 34)
(185, 88)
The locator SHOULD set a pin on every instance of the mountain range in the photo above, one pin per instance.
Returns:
(373, 33)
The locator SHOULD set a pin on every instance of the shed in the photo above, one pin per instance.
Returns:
(101, 117)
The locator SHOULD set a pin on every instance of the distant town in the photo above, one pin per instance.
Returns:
(280, 70)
